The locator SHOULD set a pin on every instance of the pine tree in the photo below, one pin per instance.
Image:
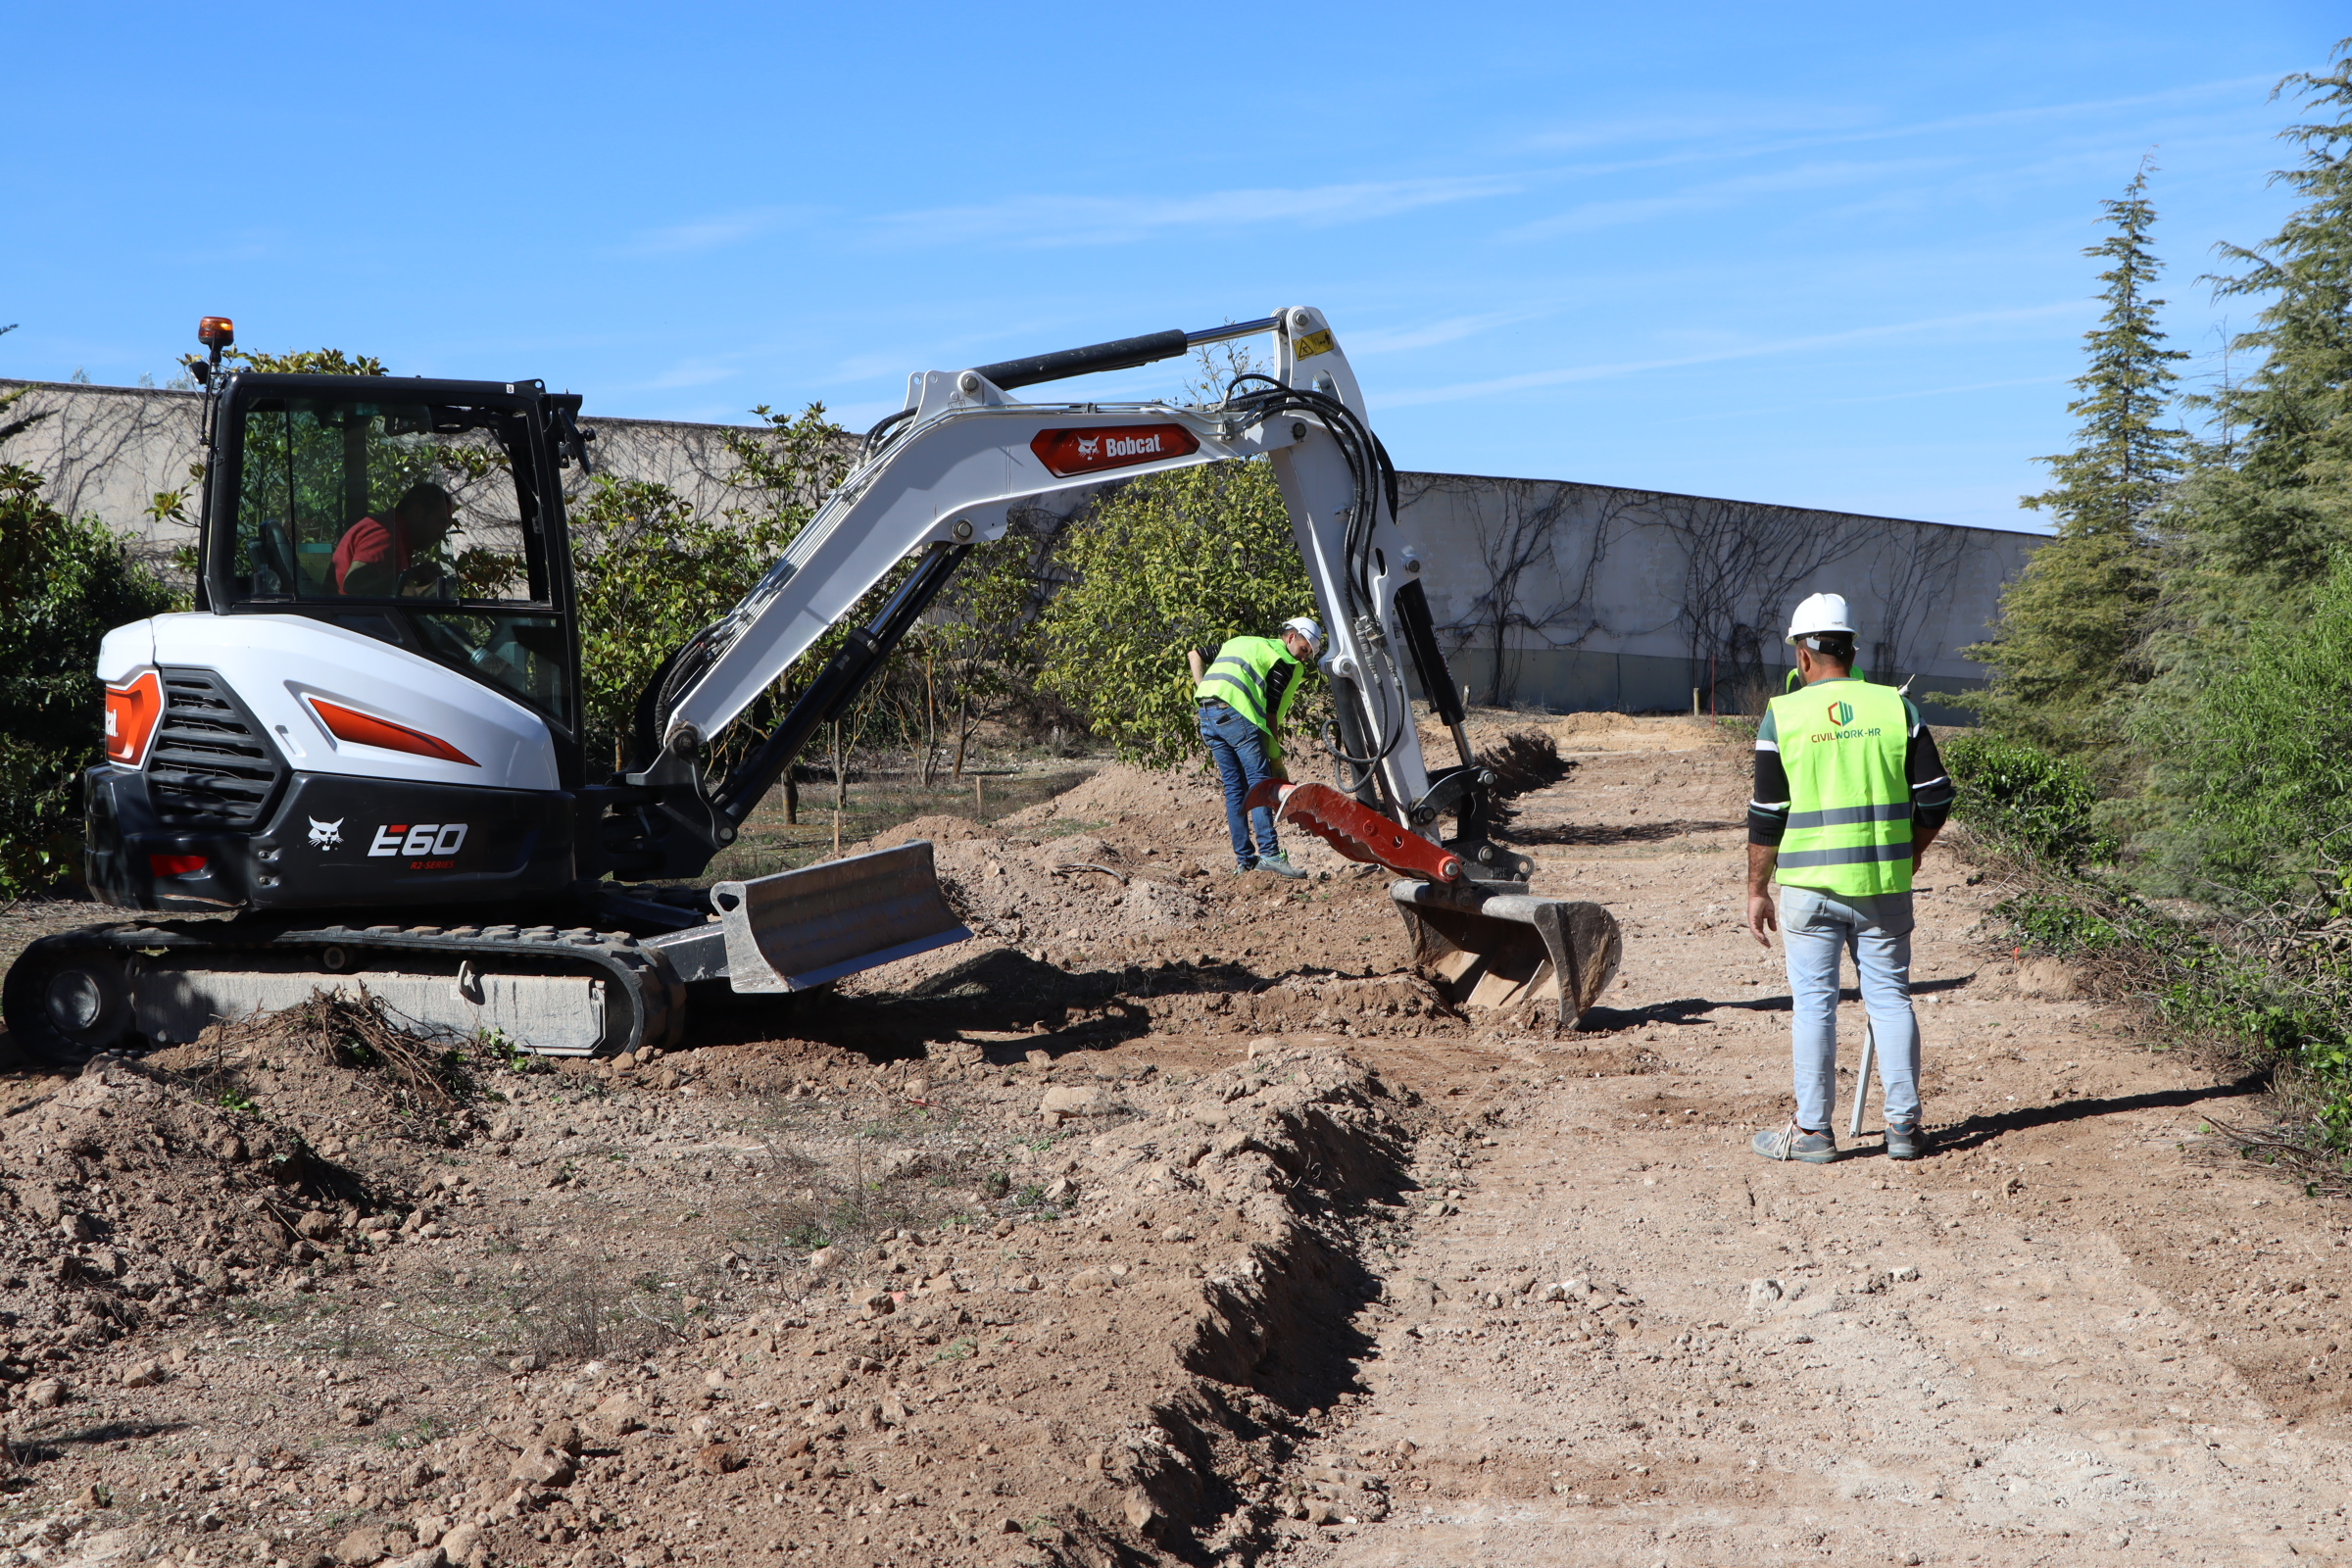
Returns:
(2069, 627)
(2280, 501)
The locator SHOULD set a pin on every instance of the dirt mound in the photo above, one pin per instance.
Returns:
(134, 1198)
(1081, 1385)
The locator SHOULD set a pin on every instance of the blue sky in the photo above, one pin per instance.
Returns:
(1826, 256)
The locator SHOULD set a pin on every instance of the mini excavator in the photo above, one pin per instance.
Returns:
(375, 767)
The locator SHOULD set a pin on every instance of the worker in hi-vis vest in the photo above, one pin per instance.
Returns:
(1244, 694)
(1849, 794)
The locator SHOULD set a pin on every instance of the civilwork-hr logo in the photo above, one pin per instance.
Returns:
(1841, 714)
(419, 838)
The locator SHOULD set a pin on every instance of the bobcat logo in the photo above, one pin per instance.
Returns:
(326, 835)
(1086, 445)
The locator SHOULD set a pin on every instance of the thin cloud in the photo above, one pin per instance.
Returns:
(1498, 385)
(712, 233)
(1049, 220)
(1430, 335)
(695, 372)
(1717, 128)
(1721, 193)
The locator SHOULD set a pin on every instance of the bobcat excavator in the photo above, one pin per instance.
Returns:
(375, 767)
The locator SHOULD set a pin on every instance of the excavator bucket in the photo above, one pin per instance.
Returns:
(800, 929)
(1485, 948)
(1502, 949)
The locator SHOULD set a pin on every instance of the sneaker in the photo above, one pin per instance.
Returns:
(1794, 1143)
(1906, 1139)
(1280, 865)
(1244, 867)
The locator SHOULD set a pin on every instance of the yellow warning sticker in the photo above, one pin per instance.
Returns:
(1313, 343)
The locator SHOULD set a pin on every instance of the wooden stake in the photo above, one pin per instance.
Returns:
(837, 832)
(978, 808)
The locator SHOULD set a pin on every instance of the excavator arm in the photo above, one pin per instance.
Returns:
(938, 478)
(941, 476)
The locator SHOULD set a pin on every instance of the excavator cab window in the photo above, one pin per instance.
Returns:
(415, 522)
(364, 500)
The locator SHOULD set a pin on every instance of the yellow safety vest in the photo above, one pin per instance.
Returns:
(1242, 674)
(1843, 745)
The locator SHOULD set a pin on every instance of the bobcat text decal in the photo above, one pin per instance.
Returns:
(1068, 451)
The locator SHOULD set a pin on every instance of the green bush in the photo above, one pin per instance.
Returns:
(2026, 800)
(63, 584)
(2254, 761)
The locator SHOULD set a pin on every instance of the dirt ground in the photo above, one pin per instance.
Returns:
(1172, 1219)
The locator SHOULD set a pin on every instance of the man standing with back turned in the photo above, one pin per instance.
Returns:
(1849, 794)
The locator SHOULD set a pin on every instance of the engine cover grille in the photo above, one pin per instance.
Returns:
(210, 768)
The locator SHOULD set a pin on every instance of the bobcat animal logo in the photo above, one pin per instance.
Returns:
(1086, 445)
(326, 835)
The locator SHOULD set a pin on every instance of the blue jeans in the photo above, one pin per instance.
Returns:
(1240, 749)
(1816, 927)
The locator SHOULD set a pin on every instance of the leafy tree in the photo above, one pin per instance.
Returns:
(63, 584)
(2255, 753)
(652, 571)
(2282, 502)
(2065, 643)
(1169, 563)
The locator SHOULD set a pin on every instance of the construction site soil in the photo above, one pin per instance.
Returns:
(1174, 1219)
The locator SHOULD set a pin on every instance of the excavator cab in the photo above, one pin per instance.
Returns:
(433, 523)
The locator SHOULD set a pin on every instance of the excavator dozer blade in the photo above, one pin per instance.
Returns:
(801, 929)
(1501, 950)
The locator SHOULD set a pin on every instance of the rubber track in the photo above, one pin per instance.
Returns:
(657, 1015)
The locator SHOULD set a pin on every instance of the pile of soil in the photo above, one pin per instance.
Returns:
(133, 1199)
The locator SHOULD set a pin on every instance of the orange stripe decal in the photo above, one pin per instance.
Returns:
(366, 729)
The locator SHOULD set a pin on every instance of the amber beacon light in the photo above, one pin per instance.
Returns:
(215, 331)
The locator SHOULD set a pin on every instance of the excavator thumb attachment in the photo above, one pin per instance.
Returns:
(1354, 829)
(800, 929)
(1501, 950)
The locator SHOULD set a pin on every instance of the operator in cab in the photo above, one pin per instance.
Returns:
(376, 558)
(1245, 693)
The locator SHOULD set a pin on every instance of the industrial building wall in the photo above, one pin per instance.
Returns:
(1548, 593)
(1568, 595)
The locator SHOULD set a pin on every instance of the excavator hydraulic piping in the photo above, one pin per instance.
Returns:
(1120, 354)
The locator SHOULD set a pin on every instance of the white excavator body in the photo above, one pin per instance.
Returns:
(341, 732)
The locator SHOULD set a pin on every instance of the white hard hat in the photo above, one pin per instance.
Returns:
(1307, 627)
(1820, 613)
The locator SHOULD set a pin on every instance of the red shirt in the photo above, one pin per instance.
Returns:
(370, 542)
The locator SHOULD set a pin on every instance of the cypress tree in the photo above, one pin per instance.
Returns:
(2069, 623)
(2279, 502)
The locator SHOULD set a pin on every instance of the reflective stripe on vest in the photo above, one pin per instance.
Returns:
(1843, 744)
(1238, 676)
